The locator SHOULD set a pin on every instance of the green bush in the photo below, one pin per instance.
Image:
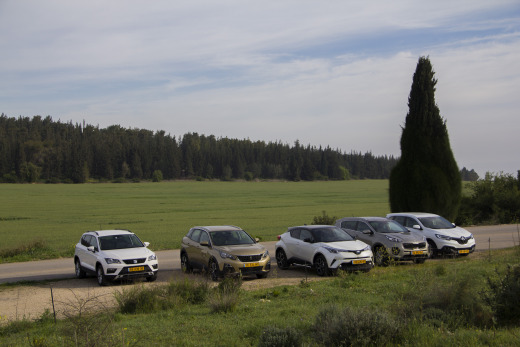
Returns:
(356, 327)
(157, 176)
(280, 337)
(191, 291)
(504, 296)
(225, 297)
(324, 219)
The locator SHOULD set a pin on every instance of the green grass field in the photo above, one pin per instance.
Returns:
(161, 213)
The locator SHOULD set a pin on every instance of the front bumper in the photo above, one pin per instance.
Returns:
(237, 267)
(123, 271)
(409, 251)
(346, 261)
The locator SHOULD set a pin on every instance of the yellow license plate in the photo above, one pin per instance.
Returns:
(360, 261)
(463, 251)
(138, 268)
(251, 264)
(417, 252)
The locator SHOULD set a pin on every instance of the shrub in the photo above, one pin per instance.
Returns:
(504, 296)
(190, 291)
(324, 219)
(355, 327)
(141, 299)
(157, 176)
(279, 337)
(225, 297)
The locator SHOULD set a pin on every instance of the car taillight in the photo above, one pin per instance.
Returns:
(279, 237)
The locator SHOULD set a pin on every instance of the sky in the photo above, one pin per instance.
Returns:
(325, 73)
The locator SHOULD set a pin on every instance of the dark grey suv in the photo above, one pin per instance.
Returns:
(388, 239)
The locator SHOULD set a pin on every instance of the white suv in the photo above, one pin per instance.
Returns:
(114, 254)
(324, 247)
(443, 237)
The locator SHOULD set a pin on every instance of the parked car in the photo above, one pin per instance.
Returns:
(224, 250)
(388, 239)
(442, 236)
(113, 255)
(324, 247)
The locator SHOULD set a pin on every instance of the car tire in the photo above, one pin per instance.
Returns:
(185, 263)
(281, 259)
(321, 266)
(213, 270)
(101, 278)
(432, 249)
(381, 257)
(80, 273)
(152, 278)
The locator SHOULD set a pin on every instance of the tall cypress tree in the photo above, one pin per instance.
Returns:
(426, 178)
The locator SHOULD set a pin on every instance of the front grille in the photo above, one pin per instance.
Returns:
(134, 261)
(249, 258)
(248, 270)
(462, 240)
(417, 245)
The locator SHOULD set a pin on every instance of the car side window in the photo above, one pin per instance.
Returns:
(195, 235)
(410, 222)
(204, 237)
(295, 233)
(305, 234)
(85, 240)
(93, 242)
(362, 226)
(399, 219)
(349, 224)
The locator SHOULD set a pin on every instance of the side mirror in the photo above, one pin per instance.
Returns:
(204, 243)
(146, 244)
(257, 239)
(417, 226)
(91, 249)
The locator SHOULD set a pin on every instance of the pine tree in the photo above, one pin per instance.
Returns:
(426, 178)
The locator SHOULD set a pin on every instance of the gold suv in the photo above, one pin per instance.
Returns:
(224, 250)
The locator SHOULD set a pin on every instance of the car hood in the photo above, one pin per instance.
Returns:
(253, 248)
(354, 245)
(406, 237)
(126, 253)
(455, 232)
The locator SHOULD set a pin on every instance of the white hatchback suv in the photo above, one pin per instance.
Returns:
(324, 247)
(443, 236)
(114, 254)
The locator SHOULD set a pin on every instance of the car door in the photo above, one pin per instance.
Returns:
(192, 246)
(306, 245)
(90, 257)
(204, 251)
(291, 243)
(365, 233)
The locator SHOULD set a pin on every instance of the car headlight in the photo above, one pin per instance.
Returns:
(266, 253)
(443, 237)
(225, 255)
(112, 261)
(470, 236)
(331, 249)
(367, 248)
(152, 257)
(393, 239)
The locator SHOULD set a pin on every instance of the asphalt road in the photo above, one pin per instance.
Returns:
(486, 237)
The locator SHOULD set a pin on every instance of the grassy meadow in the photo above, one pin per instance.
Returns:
(53, 216)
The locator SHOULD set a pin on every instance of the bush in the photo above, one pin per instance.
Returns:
(324, 219)
(190, 291)
(356, 327)
(279, 337)
(157, 176)
(504, 296)
(225, 297)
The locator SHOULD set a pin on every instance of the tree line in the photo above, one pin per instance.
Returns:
(40, 149)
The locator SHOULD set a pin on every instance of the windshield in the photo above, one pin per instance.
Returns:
(230, 237)
(332, 234)
(437, 222)
(387, 226)
(119, 242)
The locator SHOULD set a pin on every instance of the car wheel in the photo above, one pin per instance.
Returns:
(185, 263)
(80, 273)
(381, 257)
(213, 269)
(320, 263)
(281, 259)
(152, 278)
(432, 249)
(101, 278)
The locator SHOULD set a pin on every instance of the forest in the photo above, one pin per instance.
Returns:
(40, 149)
